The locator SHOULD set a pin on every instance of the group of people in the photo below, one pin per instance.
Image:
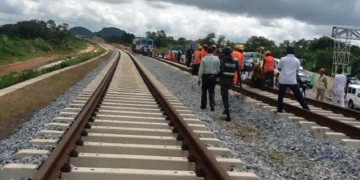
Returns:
(225, 64)
(210, 64)
(339, 87)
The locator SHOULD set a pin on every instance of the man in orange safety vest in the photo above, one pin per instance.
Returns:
(269, 67)
(204, 51)
(238, 56)
(198, 55)
(214, 50)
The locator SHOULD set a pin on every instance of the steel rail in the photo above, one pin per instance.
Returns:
(333, 124)
(327, 106)
(58, 159)
(206, 164)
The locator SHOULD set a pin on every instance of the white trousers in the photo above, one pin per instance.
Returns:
(339, 95)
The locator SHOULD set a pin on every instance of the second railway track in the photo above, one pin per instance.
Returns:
(126, 125)
(324, 120)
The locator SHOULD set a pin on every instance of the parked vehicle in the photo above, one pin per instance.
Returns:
(353, 96)
(353, 80)
(304, 78)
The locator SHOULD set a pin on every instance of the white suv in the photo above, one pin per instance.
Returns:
(353, 96)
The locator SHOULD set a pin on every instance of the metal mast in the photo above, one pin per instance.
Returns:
(342, 45)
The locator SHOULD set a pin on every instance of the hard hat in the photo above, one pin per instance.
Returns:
(227, 51)
(223, 44)
(241, 47)
(214, 46)
(236, 46)
(267, 52)
(205, 45)
(322, 70)
(199, 47)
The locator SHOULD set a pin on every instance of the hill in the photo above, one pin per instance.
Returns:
(108, 35)
(98, 39)
(110, 31)
(81, 31)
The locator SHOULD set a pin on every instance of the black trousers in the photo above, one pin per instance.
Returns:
(269, 79)
(195, 69)
(188, 62)
(296, 91)
(208, 85)
(225, 85)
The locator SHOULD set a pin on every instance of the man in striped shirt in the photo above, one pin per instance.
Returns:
(209, 66)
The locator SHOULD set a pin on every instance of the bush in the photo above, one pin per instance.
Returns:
(18, 77)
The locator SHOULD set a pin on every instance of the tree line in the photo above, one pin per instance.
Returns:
(26, 39)
(319, 49)
(49, 30)
(126, 39)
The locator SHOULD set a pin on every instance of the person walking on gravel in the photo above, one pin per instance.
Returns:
(197, 59)
(209, 67)
(189, 54)
(228, 68)
(288, 67)
(321, 85)
(339, 88)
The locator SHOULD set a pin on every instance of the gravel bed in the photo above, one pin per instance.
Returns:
(270, 146)
(20, 139)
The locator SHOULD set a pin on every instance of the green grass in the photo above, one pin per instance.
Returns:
(16, 49)
(18, 77)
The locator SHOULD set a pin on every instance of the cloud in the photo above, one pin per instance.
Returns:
(113, 1)
(177, 20)
(316, 12)
(159, 5)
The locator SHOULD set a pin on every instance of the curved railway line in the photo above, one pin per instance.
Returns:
(126, 125)
(324, 120)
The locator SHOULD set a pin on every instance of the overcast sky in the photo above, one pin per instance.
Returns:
(236, 19)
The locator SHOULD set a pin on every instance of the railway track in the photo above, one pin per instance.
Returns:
(126, 125)
(324, 120)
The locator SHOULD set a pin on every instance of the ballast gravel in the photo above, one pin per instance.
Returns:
(271, 147)
(27, 131)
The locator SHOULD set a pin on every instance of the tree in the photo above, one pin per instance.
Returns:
(220, 40)
(209, 39)
(254, 42)
(319, 49)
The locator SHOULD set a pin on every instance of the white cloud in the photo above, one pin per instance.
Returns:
(138, 17)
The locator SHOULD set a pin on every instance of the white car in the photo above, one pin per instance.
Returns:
(353, 96)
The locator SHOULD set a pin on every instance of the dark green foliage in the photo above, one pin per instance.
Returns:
(320, 49)
(125, 39)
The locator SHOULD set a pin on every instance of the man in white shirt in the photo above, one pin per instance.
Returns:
(339, 88)
(288, 67)
(209, 66)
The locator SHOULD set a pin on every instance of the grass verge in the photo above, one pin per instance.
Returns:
(18, 77)
(17, 49)
(18, 106)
